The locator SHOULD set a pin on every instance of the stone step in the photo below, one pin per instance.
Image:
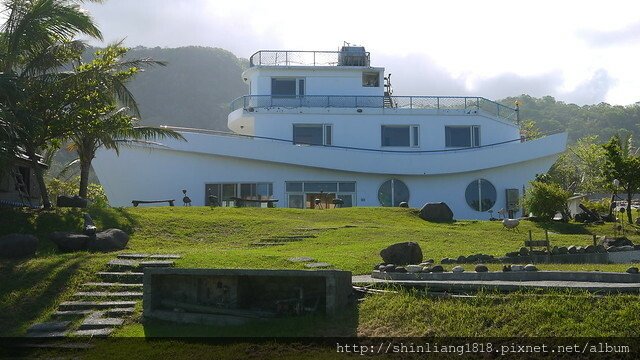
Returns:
(111, 285)
(71, 314)
(101, 332)
(157, 263)
(317, 265)
(48, 334)
(122, 264)
(122, 277)
(109, 294)
(63, 345)
(100, 323)
(149, 256)
(52, 326)
(87, 305)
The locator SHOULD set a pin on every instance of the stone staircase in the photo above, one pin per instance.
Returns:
(103, 305)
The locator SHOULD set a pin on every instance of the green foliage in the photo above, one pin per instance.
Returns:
(544, 200)
(602, 207)
(580, 168)
(95, 192)
(623, 164)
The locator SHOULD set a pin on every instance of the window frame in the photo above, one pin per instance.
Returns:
(300, 90)
(414, 135)
(376, 84)
(327, 134)
(475, 136)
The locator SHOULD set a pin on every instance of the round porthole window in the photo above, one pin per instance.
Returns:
(481, 195)
(393, 192)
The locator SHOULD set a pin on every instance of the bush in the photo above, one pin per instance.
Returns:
(545, 200)
(601, 207)
(95, 192)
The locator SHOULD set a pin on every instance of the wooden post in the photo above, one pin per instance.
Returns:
(546, 237)
(594, 240)
(530, 239)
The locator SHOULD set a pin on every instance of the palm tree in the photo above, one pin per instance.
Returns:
(109, 115)
(36, 40)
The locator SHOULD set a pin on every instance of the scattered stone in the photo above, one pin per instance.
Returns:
(404, 204)
(580, 250)
(481, 268)
(106, 294)
(159, 263)
(426, 263)
(413, 268)
(563, 250)
(437, 269)
(402, 253)
(620, 248)
(400, 269)
(530, 267)
(590, 249)
(317, 265)
(84, 305)
(461, 259)
(524, 251)
(517, 268)
(436, 212)
(109, 240)
(301, 259)
(71, 201)
(104, 332)
(600, 249)
(126, 277)
(49, 326)
(632, 270)
(111, 285)
(506, 268)
(48, 334)
(68, 242)
(457, 269)
(615, 241)
(555, 250)
(380, 268)
(512, 254)
(17, 246)
(390, 268)
(89, 226)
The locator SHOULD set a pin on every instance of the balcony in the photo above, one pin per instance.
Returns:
(309, 58)
(468, 105)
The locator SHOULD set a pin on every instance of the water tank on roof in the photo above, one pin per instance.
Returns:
(353, 56)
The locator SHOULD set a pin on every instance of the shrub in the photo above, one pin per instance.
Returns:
(602, 206)
(95, 192)
(544, 200)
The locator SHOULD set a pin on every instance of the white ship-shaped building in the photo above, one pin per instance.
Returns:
(324, 125)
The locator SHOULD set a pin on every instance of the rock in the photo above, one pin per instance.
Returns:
(512, 254)
(390, 268)
(109, 240)
(447, 261)
(555, 250)
(413, 268)
(620, 248)
(436, 212)
(89, 227)
(632, 270)
(481, 268)
(461, 259)
(457, 269)
(590, 249)
(402, 253)
(538, 252)
(517, 268)
(572, 249)
(563, 250)
(580, 250)
(426, 269)
(617, 241)
(375, 267)
(380, 268)
(524, 251)
(404, 204)
(600, 249)
(506, 268)
(400, 269)
(68, 242)
(437, 269)
(430, 261)
(71, 201)
(530, 267)
(426, 263)
(17, 246)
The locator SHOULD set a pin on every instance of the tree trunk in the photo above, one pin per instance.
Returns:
(629, 197)
(86, 157)
(44, 194)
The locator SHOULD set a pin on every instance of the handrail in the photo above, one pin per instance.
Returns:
(289, 141)
(309, 58)
(466, 103)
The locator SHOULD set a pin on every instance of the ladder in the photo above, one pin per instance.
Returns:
(21, 188)
(388, 101)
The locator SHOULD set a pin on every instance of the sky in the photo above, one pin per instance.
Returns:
(582, 52)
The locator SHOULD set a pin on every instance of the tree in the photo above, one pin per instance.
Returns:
(544, 199)
(623, 164)
(36, 41)
(100, 89)
(579, 169)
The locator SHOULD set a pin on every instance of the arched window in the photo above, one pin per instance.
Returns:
(481, 195)
(393, 192)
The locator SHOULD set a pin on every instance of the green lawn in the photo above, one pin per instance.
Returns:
(350, 239)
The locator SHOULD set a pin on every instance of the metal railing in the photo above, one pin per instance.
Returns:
(308, 58)
(469, 105)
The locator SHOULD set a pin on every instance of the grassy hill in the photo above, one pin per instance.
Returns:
(350, 239)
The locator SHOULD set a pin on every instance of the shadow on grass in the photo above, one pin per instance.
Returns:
(119, 218)
(565, 228)
(343, 324)
(29, 291)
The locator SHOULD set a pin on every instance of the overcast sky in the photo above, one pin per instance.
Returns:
(583, 52)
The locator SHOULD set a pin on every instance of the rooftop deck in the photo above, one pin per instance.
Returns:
(470, 105)
(309, 58)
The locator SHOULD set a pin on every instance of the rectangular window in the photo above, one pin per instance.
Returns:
(312, 134)
(222, 194)
(320, 187)
(317, 194)
(371, 79)
(296, 201)
(287, 87)
(293, 187)
(400, 135)
(462, 136)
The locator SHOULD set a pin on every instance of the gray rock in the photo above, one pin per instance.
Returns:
(481, 268)
(109, 240)
(580, 250)
(517, 268)
(404, 204)
(380, 267)
(615, 241)
(89, 226)
(524, 251)
(632, 270)
(506, 268)
(512, 254)
(600, 249)
(390, 268)
(473, 258)
(436, 212)
(68, 242)
(413, 268)
(555, 250)
(402, 254)
(437, 269)
(400, 269)
(17, 246)
(457, 269)
(71, 201)
(461, 259)
(590, 249)
(530, 267)
(430, 261)
(538, 252)
(563, 250)
(620, 248)
(572, 249)
(426, 263)
(447, 261)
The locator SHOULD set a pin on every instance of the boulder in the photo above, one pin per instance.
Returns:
(436, 212)
(377, 267)
(615, 241)
(572, 249)
(404, 204)
(413, 268)
(580, 250)
(402, 254)
(461, 259)
(524, 251)
(437, 269)
(590, 249)
(517, 267)
(620, 248)
(71, 201)
(555, 250)
(457, 269)
(506, 268)
(89, 226)
(632, 270)
(512, 254)
(381, 268)
(389, 268)
(426, 263)
(481, 268)
(530, 267)
(400, 269)
(600, 249)
(68, 242)
(111, 240)
(563, 250)
(447, 261)
(17, 246)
